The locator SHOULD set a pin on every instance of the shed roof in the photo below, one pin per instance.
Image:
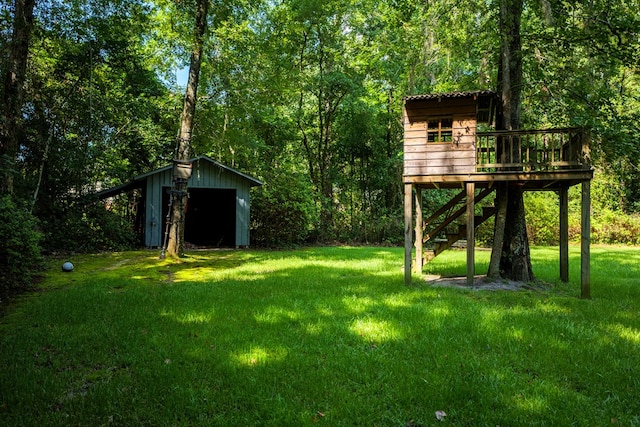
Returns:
(449, 95)
(139, 180)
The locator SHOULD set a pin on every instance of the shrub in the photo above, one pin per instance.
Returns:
(615, 227)
(543, 223)
(386, 227)
(20, 258)
(609, 223)
(88, 227)
(282, 212)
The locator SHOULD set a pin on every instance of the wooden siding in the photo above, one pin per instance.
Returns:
(428, 158)
(500, 154)
(205, 175)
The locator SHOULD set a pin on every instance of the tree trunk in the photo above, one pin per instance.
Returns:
(498, 234)
(515, 260)
(175, 244)
(13, 81)
(510, 256)
(510, 72)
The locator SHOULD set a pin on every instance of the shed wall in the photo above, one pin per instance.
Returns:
(205, 175)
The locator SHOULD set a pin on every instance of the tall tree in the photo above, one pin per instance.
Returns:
(510, 255)
(597, 43)
(13, 81)
(93, 101)
(175, 244)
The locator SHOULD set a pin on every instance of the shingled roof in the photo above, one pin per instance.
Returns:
(140, 180)
(464, 94)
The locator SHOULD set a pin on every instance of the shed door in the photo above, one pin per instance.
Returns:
(211, 217)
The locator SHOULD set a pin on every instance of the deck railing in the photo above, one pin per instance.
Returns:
(532, 150)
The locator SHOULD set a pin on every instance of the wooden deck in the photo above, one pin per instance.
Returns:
(538, 160)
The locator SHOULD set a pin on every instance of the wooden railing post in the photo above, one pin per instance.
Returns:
(419, 230)
(585, 252)
(585, 157)
(471, 268)
(564, 233)
(408, 231)
(532, 150)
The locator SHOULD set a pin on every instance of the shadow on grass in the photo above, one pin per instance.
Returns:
(324, 335)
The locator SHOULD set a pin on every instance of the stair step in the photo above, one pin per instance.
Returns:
(456, 212)
(462, 243)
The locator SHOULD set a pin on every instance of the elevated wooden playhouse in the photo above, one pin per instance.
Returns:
(218, 208)
(450, 142)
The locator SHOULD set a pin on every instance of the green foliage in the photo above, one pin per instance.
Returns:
(283, 212)
(96, 114)
(20, 260)
(87, 227)
(610, 224)
(614, 227)
(597, 44)
(542, 213)
(314, 88)
(360, 227)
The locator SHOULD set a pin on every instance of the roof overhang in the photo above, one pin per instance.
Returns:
(486, 101)
(139, 181)
(452, 95)
(119, 189)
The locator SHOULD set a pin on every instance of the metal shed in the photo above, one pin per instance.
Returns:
(218, 209)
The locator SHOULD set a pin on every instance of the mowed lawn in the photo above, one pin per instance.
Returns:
(320, 336)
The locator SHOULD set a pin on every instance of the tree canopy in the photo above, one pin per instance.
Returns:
(306, 95)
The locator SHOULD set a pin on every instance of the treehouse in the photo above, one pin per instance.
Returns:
(450, 141)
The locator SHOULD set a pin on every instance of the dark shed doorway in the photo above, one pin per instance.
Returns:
(211, 216)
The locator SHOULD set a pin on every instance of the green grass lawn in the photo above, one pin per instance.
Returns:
(320, 336)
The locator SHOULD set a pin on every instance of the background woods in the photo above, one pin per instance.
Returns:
(305, 95)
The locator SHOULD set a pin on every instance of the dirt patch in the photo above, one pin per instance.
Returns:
(482, 283)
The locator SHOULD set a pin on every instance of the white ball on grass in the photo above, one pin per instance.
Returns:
(67, 267)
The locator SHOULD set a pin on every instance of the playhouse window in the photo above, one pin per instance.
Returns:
(440, 130)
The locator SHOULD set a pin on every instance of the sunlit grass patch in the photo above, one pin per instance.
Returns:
(374, 330)
(626, 332)
(258, 355)
(318, 336)
(358, 304)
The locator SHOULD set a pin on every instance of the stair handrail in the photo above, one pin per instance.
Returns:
(428, 236)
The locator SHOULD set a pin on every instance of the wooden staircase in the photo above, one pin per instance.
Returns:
(444, 232)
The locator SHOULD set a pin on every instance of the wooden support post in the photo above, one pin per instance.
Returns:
(585, 252)
(408, 231)
(471, 235)
(419, 225)
(564, 234)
